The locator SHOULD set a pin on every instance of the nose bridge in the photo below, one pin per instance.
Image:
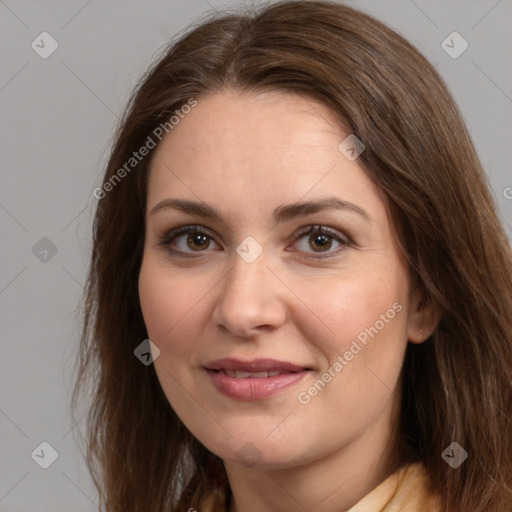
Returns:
(247, 280)
(249, 297)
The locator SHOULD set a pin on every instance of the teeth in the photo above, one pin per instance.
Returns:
(254, 375)
(259, 374)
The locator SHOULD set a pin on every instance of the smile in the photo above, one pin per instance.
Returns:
(250, 375)
(253, 380)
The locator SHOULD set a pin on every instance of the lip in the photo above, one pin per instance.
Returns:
(255, 365)
(254, 388)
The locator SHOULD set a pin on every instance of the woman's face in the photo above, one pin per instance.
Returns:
(278, 345)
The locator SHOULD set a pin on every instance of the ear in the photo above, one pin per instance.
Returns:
(424, 317)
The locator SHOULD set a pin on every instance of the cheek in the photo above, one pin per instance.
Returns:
(355, 308)
(171, 308)
(361, 342)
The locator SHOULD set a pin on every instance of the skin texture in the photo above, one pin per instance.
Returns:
(245, 154)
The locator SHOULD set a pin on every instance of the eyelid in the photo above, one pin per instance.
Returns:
(321, 228)
(341, 237)
(171, 234)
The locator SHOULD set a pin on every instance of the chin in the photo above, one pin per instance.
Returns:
(259, 452)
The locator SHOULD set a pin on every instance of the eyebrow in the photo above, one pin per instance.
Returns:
(281, 213)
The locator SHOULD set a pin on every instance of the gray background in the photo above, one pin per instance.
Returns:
(57, 121)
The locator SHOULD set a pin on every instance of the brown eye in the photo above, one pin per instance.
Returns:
(321, 241)
(198, 241)
(186, 240)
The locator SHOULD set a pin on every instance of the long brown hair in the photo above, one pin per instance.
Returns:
(457, 385)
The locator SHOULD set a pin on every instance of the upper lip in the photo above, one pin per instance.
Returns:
(254, 365)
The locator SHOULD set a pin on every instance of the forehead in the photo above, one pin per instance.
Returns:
(263, 149)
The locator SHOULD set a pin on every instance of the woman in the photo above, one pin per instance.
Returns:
(295, 216)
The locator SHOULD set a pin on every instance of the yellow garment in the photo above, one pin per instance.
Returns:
(406, 490)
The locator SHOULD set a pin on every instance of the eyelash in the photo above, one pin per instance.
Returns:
(173, 234)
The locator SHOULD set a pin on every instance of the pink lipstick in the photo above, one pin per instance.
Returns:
(255, 379)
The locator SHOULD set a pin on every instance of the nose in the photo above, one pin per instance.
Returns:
(251, 299)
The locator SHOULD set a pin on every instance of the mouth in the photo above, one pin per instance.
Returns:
(253, 380)
(251, 375)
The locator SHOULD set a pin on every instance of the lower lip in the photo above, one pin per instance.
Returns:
(253, 388)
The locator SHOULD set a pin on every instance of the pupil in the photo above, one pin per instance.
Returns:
(197, 241)
(322, 241)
